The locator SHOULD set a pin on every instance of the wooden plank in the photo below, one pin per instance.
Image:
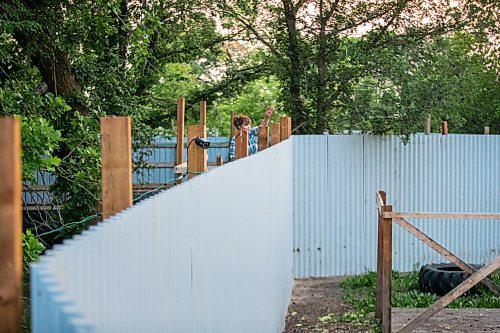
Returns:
(263, 137)
(285, 128)
(197, 156)
(444, 127)
(181, 168)
(452, 295)
(219, 160)
(10, 226)
(444, 252)
(116, 150)
(423, 215)
(381, 197)
(241, 144)
(427, 125)
(450, 320)
(179, 150)
(174, 145)
(386, 271)
(203, 113)
(275, 134)
(233, 129)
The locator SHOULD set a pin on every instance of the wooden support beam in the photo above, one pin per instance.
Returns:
(444, 127)
(452, 295)
(179, 150)
(233, 129)
(197, 156)
(263, 137)
(203, 113)
(285, 128)
(381, 201)
(386, 259)
(241, 144)
(494, 216)
(275, 134)
(444, 252)
(11, 307)
(116, 150)
(219, 161)
(427, 125)
(486, 130)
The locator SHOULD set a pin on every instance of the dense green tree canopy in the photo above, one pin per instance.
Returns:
(378, 66)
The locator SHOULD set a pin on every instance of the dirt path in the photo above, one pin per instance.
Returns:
(317, 298)
(317, 307)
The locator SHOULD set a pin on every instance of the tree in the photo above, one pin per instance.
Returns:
(317, 58)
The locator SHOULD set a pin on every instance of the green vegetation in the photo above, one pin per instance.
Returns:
(359, 291)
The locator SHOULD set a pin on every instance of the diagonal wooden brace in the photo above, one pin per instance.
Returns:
(444, 252)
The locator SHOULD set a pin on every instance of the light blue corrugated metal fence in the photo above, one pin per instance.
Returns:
(211, 255)
(336, 178)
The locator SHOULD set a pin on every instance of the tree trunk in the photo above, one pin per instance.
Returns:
(298, 113)
(320, 82)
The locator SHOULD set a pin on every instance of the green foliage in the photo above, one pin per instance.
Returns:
(252, 102)
(32, 249)
(39, 141)
(359, 291)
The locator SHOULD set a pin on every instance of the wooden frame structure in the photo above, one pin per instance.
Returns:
(384, 262)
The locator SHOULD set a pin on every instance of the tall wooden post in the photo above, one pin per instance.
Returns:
(285, 128)
(197, 156)
(203, 113)
(427, 124)
(233, 129)
(241, 144)
(386, 269)
(263, 137)
(275, 134)
(380, 241)
(444, 127)
(10, 226)
(179, 149)
(116, 150)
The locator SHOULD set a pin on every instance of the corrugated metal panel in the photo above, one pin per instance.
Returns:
(211, 255)
(336, 178)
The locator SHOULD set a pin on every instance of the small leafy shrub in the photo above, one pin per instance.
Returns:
(32, 249)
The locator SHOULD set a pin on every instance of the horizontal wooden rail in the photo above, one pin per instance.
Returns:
(392, 215)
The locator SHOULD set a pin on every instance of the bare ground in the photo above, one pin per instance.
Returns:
(313, 299)
(316, 298)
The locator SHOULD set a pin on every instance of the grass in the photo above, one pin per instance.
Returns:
(359, 291)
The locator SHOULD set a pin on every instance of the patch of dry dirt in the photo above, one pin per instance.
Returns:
(315, 298)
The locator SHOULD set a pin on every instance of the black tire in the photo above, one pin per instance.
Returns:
(440, 279)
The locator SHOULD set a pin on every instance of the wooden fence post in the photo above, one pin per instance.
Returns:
(203, 113)
(219, 161)
(116, 150)
(444, 127)
(486, 130)
(179, 150)
(197, 156)
(241, 144)
(263, 137)
(285, 128)
(275, 134)
(386, 264)
(380, 242)
(10, 226)
(427, 125)
(233, 129)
